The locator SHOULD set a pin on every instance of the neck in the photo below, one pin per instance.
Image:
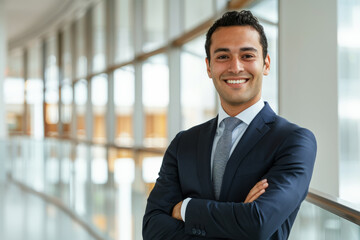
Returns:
(233, 110)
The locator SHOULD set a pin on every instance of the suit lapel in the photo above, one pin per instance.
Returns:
(256, 130)
(205, 142)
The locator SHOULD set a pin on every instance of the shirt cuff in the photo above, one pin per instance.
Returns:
(183, 208)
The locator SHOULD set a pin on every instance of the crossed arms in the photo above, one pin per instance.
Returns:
(254, 194)
(258, 217)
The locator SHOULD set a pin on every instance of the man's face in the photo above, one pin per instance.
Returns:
(237, 67)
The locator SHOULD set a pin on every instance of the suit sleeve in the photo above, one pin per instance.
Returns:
(288, 179)
(158, 223)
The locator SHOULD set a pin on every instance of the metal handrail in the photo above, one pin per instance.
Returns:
(335, 205)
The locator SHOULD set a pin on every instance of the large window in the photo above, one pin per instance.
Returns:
(98, 31)
(80, 93)
(154, 24)
(155, 100)
(124, 99)
(197, 12)
(99, 98)
(198, 96)
(349, 98)
(124, 30)
(34, 88)
(81, 60)
(51, 88)
(14, 92)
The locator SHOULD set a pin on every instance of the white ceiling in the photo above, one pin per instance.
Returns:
(28, 19)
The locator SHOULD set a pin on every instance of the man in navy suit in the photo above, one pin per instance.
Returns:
(270, 164)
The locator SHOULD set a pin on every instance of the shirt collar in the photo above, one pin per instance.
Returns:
(245, 116)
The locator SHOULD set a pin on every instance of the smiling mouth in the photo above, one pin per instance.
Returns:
(236, 81)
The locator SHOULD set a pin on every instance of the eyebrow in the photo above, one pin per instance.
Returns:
(244, 49)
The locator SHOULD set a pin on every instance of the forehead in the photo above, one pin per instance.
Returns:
(233, 36)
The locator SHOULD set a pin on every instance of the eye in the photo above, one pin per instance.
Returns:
(222, 57)
(248, 56)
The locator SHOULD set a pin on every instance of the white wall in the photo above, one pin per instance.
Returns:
(308, 80)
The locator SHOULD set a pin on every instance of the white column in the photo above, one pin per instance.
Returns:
(3, 51)
(174, 109)
(138, 121)
(138, 118)
(3, 129)
(308, 80)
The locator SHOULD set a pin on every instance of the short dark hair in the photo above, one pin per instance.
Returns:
(235, 18)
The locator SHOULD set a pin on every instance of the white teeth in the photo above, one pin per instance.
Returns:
(236, 81)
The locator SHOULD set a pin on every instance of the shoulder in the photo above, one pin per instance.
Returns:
(282, 129)
(293, 134)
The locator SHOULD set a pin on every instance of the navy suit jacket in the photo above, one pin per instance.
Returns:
(270, 148)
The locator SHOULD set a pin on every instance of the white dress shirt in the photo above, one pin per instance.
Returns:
(246, 117)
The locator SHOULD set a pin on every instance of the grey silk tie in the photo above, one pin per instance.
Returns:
(222, 153)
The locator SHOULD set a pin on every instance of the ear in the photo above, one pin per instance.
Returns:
(208, 67)
(267, 65)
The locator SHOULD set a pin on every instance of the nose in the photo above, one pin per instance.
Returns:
(236, 66)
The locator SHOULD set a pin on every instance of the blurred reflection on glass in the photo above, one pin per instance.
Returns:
(124, 30)
(124, 98)
(99, 98)
(51, 88)
(81, 177)
(155, 100)
(197, 90)
(81, 61)
(36, 166)
(34, 88)
(66, 177)
(196, 12)
(80, 88)
(99, 167)
(154, 24)
(52, 167)
(99, 193)
(349, 98)
(98, 30)
(124, 177)
(314, 223)
(14, 94)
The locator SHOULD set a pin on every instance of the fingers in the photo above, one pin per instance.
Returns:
(176, 213)
(256, 191)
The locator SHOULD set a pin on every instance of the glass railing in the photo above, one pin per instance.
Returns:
(105, 186)
(316, 223)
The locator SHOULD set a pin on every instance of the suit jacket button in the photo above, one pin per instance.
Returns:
(193, 230)
(198, 232)
(203, 233)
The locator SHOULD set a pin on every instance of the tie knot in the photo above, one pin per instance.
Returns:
(231, 123)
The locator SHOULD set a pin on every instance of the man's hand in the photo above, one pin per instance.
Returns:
(176, 213)
(256, 191)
